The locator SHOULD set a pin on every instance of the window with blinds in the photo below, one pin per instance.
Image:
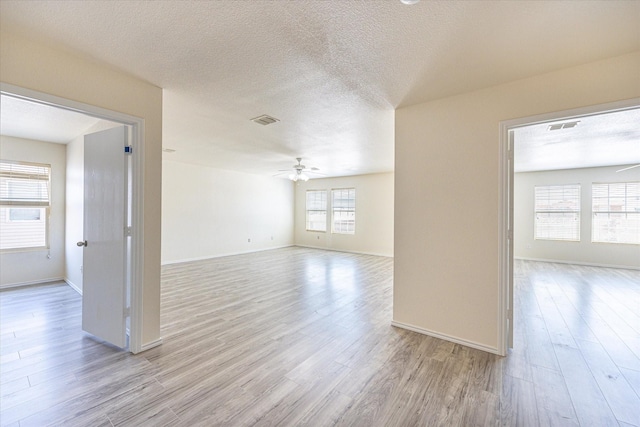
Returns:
(557, 212)
(316, 210)
(616, 212)
(24, 204)
(343, 211)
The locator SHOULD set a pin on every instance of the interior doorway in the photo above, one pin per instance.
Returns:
(108, 118)
(574, 157)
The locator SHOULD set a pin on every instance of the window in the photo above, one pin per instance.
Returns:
(316, 210)
(557, 212)
(343, 203)
(24, 204)
(616, 212)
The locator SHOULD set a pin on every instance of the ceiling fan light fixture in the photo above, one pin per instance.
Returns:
(298, 176)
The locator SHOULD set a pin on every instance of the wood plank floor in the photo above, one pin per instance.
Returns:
(302, 337)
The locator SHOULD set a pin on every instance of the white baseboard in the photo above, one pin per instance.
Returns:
(180, 261)
(344, 250)
(150, 345)
(73, 285)
(33, 282)
(589, 264)
(456, 340)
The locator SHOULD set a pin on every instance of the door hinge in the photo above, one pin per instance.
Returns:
(126, 312)
(128, 231)
(128, 149)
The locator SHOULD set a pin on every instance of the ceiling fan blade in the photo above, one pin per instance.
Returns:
(630, 167)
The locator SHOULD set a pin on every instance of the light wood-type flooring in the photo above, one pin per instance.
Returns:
(297, 336)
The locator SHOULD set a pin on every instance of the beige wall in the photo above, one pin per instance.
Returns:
(446, 194)
(208, 212)
(584, 251)
(38, 265)
(59, 73)
(374, 215)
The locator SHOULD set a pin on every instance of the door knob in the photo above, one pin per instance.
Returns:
(83, 243)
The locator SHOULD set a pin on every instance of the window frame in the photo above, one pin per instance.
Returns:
(333, 211)
(307, 210)
(557, 212)
(626, 212)
(9, 201)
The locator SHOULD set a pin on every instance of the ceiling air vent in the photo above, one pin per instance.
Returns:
(264, 120)
(565, 125)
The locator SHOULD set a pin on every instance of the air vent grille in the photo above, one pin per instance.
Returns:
(264, 120)
(565, 125)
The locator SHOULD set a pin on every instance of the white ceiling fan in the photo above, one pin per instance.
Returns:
(300, 171)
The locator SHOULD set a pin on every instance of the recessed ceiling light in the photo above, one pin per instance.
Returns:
(409, 1)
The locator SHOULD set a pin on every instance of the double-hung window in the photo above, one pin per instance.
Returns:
(616, 212)
(557, 212)
(316, 210)
(343, 206)
(24, 204)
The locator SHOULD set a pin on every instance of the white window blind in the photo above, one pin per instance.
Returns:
(343, 204)
(316, 210)
(616, 212)
(24, 204)
(557, 212)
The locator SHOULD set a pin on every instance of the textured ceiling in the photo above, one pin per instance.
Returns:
(30, 120)
(332, 71)
(601, 140)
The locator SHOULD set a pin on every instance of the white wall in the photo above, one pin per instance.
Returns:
(58, 72)
(38, 265)
(584, 251)
(74, 224)
(374, 215)
(209, 212)
(446, 194)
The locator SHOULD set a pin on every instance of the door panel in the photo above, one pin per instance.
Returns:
(104, 253)
(510, 234)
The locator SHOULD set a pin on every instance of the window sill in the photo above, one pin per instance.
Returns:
(23, 250)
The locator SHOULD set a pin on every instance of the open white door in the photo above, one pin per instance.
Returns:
(510, 241)
(104, 293)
